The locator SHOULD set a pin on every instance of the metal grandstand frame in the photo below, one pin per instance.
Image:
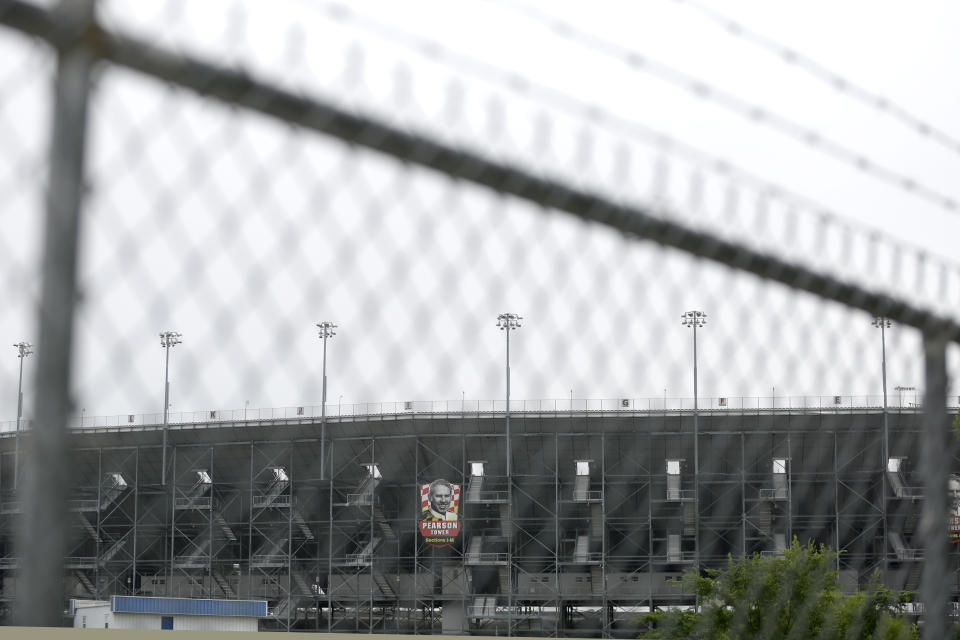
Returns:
(125, 543)
(602, 504)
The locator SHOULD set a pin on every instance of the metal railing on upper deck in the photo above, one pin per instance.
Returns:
(732, 404)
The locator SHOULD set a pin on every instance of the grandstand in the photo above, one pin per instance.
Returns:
(606, 505)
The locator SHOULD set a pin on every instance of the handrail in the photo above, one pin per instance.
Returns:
(652, 405)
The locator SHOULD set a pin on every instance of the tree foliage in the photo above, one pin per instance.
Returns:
(793, 597)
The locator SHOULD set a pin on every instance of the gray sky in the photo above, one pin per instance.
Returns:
(242, 233)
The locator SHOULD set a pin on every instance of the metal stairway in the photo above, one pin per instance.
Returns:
(474, 550)
(88, 527)
(301, 584)
(474, 489)
(581, 551)
(385, 587)
(383, 524)
(85, 581)
(506, 525)
(114, 549)
(689, 519)
(505, 581)
(596, 581)
(581, 488)
(223, 584)
(301, 524)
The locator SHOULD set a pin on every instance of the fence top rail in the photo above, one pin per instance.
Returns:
(238, 88)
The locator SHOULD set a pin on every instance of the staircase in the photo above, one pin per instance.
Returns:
(224, 527)
(581, 488)
(381, 521)
(474, 550)
(114, 487)
(506, 524)
(270, 552)
(506, 584)
(197, 552)
(114, 549)
(912, 582)
(910, 524)
(779, 542)
(88, 527)
(689, 518)
(763, 517)
(87, 584)
(301, 524)
(280, 610)
(581, 551)
(301, 584)
(474, 489)
(596, 521)
(364, 494)
(278, 484)
(896, 483)
(385, 587)
(224, 584)
(596, 581)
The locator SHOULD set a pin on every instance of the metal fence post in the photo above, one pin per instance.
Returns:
(42, 535)
(934, 589)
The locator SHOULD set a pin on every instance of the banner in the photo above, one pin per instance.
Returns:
(439, 512)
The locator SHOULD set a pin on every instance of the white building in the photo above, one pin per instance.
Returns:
(185, 614)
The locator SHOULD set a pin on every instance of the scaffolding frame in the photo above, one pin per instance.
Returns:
(580, 540)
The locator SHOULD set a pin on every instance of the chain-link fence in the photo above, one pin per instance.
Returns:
(232, 192)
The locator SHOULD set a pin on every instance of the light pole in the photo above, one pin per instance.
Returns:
(694, 319)
(509, 322)
(884, 323)
(167, 339)
(325, 330)
(24, 349)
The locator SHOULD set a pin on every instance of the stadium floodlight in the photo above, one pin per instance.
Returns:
(325, 330)
(508, 322)
(883, 324)
(167, 339)
(24, 349)
(900, 389)
(695, 319)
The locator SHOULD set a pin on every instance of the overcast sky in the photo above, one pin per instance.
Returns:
(823, 132)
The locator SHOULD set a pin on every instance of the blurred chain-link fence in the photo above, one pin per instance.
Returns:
(240, 190)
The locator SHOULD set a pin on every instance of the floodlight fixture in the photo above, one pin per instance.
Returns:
(693, 319)
(509, 321)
